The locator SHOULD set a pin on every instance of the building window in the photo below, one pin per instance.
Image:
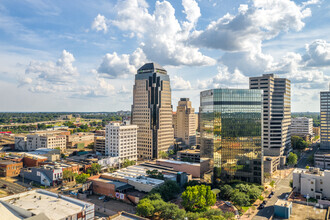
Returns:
(312, 190)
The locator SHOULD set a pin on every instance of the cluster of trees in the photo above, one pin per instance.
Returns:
(127, 163)
(6, 118)
(155, 174)
(298, 143)
(82, 178)
(241, 194)
(155, 205)
(95, 169)
(168, 191)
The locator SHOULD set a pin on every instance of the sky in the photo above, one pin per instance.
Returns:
(73, 55)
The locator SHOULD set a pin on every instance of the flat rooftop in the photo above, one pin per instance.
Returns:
(116, 183)
(178, 162)
(283, 203)
(197, 151)
(42, 201)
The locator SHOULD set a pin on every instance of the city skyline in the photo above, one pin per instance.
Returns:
(73, 56)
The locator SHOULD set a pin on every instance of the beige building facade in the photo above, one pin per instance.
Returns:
(276, 113)
(185, 122)
(152, 111)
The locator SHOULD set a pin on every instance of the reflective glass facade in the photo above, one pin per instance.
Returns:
(231, 134)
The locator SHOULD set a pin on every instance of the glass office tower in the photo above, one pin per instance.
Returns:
(231, 134)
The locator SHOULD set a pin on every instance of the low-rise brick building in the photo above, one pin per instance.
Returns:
(9, 168)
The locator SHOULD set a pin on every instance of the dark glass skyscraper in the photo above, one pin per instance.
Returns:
(231, 134)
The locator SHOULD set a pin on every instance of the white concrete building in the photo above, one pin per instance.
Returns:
(313, 182)
(42, 204)
(121, 141)
(34, 141)
(302, 126)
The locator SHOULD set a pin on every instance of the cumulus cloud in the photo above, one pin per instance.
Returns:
(50, 76)
(294, 67)
(317, 54)
(178, 83)
(245, 31)
(100, 24)
(121, 66)
(163, 38)
(101, 88)
(225, 79)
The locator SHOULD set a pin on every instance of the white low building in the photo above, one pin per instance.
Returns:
(313, 182)
(302, 126)
(42, 204)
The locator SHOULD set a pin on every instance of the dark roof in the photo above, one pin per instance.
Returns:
(151, 67)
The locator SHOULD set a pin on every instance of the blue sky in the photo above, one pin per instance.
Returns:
(71, 55)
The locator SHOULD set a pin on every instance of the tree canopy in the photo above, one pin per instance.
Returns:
(82, 178)
(292, 159)
(298, 143)
(169, 190)
(198, 198)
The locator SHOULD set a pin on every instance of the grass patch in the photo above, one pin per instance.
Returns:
(245, 208)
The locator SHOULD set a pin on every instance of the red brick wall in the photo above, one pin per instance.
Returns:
(104, 188)
(12, 169)
(30, 162)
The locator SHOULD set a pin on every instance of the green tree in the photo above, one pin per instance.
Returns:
(198, 198)
(226, 192)
(95, 169)
(145, 208)
(163, 154)
(128, 163)
(272, 183)
(298, 143)
(310, 159)
(169, 190)
(155, 174)
(82, 178)
(69, 175)
(240, 198)
(292, 159)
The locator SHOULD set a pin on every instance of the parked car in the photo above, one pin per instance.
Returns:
(270, 195)
(101, 197)
(264, 202)
(228, 204)
(4, 186)
(272, 192)
(261, 206)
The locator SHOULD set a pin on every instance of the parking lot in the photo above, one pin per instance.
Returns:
(111, 207)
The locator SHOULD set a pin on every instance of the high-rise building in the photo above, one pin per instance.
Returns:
(121, 141)
(302, 126)
(325, 120)
(184, 122)
(276, 113)
(152, 111)
(231, 134)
